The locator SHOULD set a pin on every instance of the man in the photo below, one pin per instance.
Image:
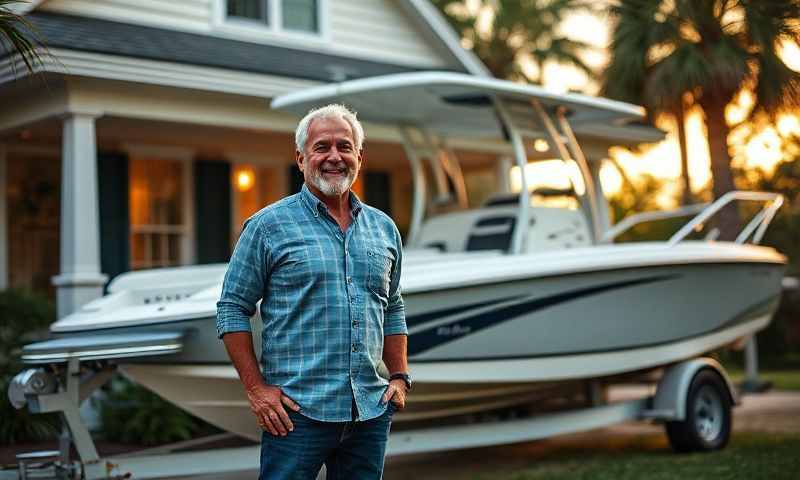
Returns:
(326, 268)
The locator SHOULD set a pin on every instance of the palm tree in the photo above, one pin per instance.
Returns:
(664, 51)
(18, 35)
(519, 29)
(623, 78)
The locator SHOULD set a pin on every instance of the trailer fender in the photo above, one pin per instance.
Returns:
(669, 402)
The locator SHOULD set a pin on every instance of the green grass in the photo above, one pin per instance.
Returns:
(781, 379)
(748, 456)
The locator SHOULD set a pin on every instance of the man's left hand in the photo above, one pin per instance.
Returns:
(396, 392)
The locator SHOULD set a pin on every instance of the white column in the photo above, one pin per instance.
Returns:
(3, 221)
(80, 279)
(503, 173)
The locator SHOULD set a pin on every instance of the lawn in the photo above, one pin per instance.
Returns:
(781, 379)
(750, 455)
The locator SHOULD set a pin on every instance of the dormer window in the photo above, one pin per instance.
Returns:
(300, 15)
(249, 10)
(293, 15)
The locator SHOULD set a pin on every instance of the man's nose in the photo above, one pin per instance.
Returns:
(333, 154)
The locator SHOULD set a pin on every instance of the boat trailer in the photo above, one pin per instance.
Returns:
(688, 410)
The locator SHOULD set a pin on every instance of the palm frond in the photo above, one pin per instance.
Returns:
(20, 36)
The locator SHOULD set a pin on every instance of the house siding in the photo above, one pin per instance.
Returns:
(194, 15)
(379, 30)
(366, 29)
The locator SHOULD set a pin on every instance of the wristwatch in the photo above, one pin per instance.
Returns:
(402, 376)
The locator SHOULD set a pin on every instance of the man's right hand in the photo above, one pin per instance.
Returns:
(267, 403)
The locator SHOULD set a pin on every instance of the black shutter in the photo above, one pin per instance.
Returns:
(378, 191)
(295, 179)
(112, 194)
(212, 193)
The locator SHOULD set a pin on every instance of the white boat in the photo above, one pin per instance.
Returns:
(510, 305)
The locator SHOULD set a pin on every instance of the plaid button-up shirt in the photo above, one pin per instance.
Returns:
(328, 299)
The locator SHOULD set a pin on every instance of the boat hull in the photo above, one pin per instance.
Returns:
(513, 344)
(485, 332)
(531, 383)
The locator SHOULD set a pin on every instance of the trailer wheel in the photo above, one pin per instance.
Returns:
(707, 426)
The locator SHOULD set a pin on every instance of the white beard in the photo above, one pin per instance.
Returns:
(331, 189)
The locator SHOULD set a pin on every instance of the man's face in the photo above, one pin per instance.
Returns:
(330, 161)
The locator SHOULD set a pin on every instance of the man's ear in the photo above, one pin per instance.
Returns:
(298, 158)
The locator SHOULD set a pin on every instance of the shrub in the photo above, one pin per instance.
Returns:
(24, 317)
(132, 414)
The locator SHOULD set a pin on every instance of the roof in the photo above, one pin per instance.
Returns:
(137, 41)
(453, 103)
(437, 25)
(428, 16)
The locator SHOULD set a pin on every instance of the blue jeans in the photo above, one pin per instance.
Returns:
(349, 450)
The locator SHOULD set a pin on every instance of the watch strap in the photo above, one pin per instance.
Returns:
(401, 376)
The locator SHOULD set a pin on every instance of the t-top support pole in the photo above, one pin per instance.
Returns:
(577, 155)
(520, 240)
(418, 180)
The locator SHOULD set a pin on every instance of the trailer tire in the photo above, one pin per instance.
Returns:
(707, 426)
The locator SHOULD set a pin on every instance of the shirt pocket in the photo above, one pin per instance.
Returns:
(379, 274)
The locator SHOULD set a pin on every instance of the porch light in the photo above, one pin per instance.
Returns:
(245, 180)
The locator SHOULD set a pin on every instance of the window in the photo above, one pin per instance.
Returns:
(249, 9)
(300, 15)
(33, 183)
(158, 225)
(295, 15)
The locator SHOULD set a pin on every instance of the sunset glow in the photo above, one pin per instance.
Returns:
(762, 149)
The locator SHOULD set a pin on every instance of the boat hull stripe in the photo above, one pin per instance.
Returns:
(436, 336)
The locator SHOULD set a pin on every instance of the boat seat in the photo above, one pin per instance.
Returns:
(492, 233)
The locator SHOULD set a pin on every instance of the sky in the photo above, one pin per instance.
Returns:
(662, 160)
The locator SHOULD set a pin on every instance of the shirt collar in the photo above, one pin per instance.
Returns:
(317, 206)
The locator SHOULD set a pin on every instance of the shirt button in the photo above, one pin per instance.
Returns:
(349, 279)
(355, 323)
(355, 347)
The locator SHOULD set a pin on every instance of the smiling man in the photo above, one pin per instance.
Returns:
(326, 268)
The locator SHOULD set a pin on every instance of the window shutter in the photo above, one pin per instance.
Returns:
(378, 190)
(212, 193)
(112, 193)
(296, 179)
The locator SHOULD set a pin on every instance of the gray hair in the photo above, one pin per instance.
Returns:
(333, 110)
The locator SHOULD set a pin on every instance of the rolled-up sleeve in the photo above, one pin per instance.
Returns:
(245, 280)
(395, 316)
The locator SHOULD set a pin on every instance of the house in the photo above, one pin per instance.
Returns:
(148, 138)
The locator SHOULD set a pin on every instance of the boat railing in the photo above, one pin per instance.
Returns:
(645, 217)
(753, 230)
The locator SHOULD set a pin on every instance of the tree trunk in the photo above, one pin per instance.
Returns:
(727, 220)
(680, 119)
